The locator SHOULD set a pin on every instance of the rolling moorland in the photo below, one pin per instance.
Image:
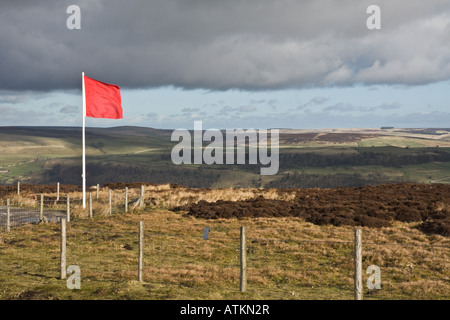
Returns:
(300, 240)
(308, 158)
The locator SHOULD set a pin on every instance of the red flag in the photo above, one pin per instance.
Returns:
(102, 99)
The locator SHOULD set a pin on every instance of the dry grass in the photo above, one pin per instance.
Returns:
(288, 258)
(163, 196)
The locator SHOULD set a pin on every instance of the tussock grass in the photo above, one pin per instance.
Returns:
(163, 196)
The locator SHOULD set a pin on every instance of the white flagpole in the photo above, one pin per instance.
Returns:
(84, 144)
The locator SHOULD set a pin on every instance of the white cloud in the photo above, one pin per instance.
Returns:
(70, 110)
(348, 107)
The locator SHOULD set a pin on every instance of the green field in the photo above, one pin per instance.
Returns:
(47, 155)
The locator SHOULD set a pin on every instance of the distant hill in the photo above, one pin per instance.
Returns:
(308, 158)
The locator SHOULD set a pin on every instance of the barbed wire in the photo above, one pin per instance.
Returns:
(406, 245)
(97, 232)
(34, 212)
(212, 237)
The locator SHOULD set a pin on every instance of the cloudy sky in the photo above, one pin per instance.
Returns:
(232, 64)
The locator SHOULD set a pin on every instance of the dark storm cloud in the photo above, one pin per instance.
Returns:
(220, 45)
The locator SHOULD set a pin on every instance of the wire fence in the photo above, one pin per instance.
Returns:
(276, 268)
(280, 264)
(188, 262)
(42, 208)
(103, 256)
(279, 268)
(409, 269)
(19, 188)
(20, 216)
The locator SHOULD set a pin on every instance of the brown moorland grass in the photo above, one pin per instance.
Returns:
(288, 258)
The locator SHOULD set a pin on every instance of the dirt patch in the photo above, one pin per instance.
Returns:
(438, 223)
(252, 208)
(34, 295)
(372, 206)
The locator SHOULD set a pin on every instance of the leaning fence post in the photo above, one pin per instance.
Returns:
(90, 205)
(142, 202)
(68, 209)
(57, 191)
(358, 265)
(141, 252)
(63, 249)
(243, 260)
(41, 215)
(126, 199)
(8, 215)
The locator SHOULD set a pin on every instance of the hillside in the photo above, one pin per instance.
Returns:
(308, 158)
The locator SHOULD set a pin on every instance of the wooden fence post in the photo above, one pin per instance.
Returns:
(8, 215)
(358, 265)
(91, 214)
(57, 191)
(243, 260)
(18, 188)
(63, 249)
(110, 202)
(126, 199)
(68, 209)
(98, 190)
(41, 215)
(141, 252)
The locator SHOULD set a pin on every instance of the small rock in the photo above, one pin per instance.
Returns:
(44, 220)
(127, 247)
